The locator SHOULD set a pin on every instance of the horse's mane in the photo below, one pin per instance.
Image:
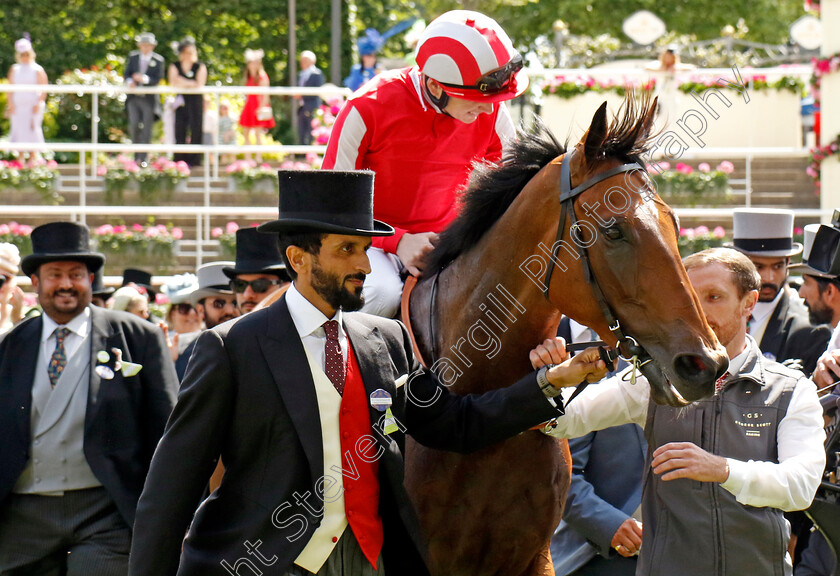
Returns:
(493, 188)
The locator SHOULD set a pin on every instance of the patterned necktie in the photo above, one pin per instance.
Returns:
(334, 366)
(750, 319)
(59, 357)
(720, 382)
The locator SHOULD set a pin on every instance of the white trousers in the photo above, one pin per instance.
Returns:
(383, 286)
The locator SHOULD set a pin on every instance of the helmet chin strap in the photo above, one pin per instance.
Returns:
(439, 102)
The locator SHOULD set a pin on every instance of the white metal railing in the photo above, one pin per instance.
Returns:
(202, 215)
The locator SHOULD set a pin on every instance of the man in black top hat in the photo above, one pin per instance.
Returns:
(99, 292)
(259, 269)
(84, 397)
(141, 280)
(308, 403)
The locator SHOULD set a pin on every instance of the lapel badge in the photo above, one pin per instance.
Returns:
(104, 372)
(380, 400)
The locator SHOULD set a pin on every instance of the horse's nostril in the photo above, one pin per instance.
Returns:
(691, 367)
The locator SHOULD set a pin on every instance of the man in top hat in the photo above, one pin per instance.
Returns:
(141, 280)
(779, 322)
(421, 129)
(819, 291)
(308, 403)
(259, 269)
(84, 397)
(213, 300)
(99, 292)
(145, 68)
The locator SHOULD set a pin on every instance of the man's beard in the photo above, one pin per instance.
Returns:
(820, 315)
(329, 287)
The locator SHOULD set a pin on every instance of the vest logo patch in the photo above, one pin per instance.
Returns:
(752, 423)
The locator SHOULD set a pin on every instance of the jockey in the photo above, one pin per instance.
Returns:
(420, 129)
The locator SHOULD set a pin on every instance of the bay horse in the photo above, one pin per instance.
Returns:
(549, 231)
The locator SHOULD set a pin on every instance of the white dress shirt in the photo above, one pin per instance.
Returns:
(309, 322)
(79, 327)
(786, 485)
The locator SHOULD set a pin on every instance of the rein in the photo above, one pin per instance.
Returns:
(632, 353)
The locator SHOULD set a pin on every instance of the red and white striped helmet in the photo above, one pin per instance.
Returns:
(472, 58)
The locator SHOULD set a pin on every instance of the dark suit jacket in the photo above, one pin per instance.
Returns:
(316, 78)
(248, 395)
(155, 71)
(789, 334)
(125, 416)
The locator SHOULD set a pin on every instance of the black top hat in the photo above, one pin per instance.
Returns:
(61, 241)
(98, 288)
(339, 202)
(256, 254)
(140, 278)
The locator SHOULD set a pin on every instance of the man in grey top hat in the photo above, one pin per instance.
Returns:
(779, 322)
(84, 397)
(215, 302)
(144, 69)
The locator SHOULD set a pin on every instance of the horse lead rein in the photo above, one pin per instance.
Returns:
(635, 354)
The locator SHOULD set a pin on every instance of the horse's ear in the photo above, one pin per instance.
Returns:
(596, 134)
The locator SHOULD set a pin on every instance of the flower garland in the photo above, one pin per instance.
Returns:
(823, 66)
(818, 154)
(569, 86)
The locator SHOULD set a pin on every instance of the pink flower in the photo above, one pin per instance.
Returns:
(102, 170)
(152, 232)
(718, 232)
(137, 227)
(704, 168)
(52, 164)
(4, 229)
(689, 233)
(701, 230)
(664, 165)
(161, 299)
(104, 229)
(24, 230)
(231, 228)
(726, 167)
(177, 233)
(16, 165)
(335, 109)
(119, 229)
(14, 227)
(30, 299)
(798, 231)
(683, 168)
(265, 166)
(216, 232)
(183, 167)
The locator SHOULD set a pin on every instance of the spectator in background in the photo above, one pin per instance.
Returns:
(188, 72)
(210, 125)
(128, 299)
(258, 271)
(26, 109)
(257, 116)
(310, 77)
(145, 68)
(227, 133)
(11, 296)
(368, 45)
(665, 71)
(100, 294)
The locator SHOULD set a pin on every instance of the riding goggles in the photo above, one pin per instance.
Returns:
(496, 80)
(259, 285)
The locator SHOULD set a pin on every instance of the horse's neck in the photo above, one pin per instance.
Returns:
(490, 313)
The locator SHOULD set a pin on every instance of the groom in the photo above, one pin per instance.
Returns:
(308, 405)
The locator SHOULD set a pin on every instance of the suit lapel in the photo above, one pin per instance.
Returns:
(22, 355)
(102, 337)
(286, 359)
(773, 337)
(369, 350)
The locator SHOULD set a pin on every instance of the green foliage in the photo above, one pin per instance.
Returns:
(71, 113)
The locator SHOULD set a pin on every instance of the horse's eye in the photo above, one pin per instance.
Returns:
(613, 233)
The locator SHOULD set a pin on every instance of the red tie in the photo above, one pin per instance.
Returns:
(334, 366)
(720, 382)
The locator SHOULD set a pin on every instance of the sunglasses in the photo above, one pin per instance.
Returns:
(496, 80)
(259, 285)
(218, 303)
(183, 308)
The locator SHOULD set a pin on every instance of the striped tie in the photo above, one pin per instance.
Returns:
(59, 357)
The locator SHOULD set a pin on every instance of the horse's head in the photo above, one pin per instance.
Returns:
(623, 239)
